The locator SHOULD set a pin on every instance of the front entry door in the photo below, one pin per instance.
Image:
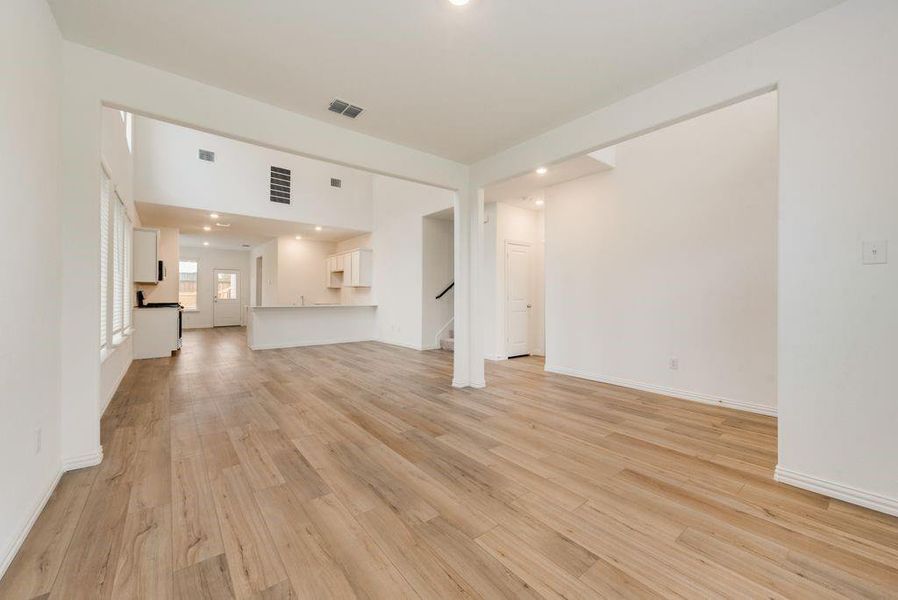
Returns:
(225, 298)
(517, 304)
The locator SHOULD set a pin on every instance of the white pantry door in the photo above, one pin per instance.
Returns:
(517, 299)
(225, 298)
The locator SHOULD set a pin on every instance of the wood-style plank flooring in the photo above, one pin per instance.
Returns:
(356, 471)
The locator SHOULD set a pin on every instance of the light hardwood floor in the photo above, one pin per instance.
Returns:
(356, 471)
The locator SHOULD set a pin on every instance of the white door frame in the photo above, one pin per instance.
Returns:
(505, 311)
(215, 301)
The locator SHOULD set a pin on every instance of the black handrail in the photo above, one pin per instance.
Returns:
(443, 293)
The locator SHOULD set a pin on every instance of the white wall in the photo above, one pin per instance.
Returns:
(301, 267)
(29, 235)
(269, 253)
(209, 259)
(168, 171)
(837, 323)
(118, 161)
(397, 241)
(438, 272)
(507, 223)
(672, 254)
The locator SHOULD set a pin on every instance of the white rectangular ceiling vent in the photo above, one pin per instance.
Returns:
(280, 185)
(345, 108)
(207, 155)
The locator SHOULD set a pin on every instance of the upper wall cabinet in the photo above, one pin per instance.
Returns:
(350, 269)
(146, 255)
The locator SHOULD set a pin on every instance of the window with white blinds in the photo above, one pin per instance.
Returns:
(115, 264)
(105, 186)
(118, 265)
(128, 293)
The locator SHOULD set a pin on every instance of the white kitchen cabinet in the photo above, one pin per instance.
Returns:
(157, 332)
(146, 255)
(347, 269)
(350, 269)
(360, 271)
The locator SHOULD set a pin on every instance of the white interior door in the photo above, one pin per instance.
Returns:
(517, 299)
(225, 298)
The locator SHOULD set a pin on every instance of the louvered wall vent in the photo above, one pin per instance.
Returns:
(336, 182)
(280, 185)
(344, 108)
(207, 155)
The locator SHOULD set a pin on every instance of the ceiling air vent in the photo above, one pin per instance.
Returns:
(345, 108)
(337, 183)
(280, 185)
(207, 155)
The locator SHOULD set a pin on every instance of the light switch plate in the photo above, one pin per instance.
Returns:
(875, 253)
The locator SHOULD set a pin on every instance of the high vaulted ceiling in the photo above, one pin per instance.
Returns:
(460, 82)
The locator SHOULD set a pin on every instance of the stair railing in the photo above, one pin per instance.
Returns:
(444, 292)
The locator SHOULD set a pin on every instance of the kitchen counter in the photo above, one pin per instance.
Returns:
(289, 326)
(313, 306)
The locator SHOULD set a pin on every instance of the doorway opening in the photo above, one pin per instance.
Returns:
(651, 264)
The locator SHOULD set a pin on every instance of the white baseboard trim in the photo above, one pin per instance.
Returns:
(9, 553)
(304, 343)
(666, 391)
(402, 345)
(457, 383)
(89, 459)
(839, 491)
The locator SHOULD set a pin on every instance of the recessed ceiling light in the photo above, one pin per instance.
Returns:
(213, 215)
(542, 171)
(318, 227)
(299, 237)
(458, 2)
(206, 228)
(205, 243)
(540, 202)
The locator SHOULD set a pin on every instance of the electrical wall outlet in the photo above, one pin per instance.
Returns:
(875, 253)
(674, 364)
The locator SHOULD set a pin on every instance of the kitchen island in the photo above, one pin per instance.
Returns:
(289, 326)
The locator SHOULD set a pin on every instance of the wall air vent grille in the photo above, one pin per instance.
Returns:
(344, 108)
(207, 155)
(280, 185)
(337, 183)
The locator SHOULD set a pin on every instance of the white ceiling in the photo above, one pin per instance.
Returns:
(242, 230)
(513, 190)
(460, 82)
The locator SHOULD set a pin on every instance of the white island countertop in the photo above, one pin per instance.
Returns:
(287, 325)
(314, 306)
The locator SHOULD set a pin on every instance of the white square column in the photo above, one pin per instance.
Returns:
(468, 364)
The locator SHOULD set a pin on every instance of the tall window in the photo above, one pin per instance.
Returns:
(105, 186)
(115, 257)
(187, 271)
(118, 266)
